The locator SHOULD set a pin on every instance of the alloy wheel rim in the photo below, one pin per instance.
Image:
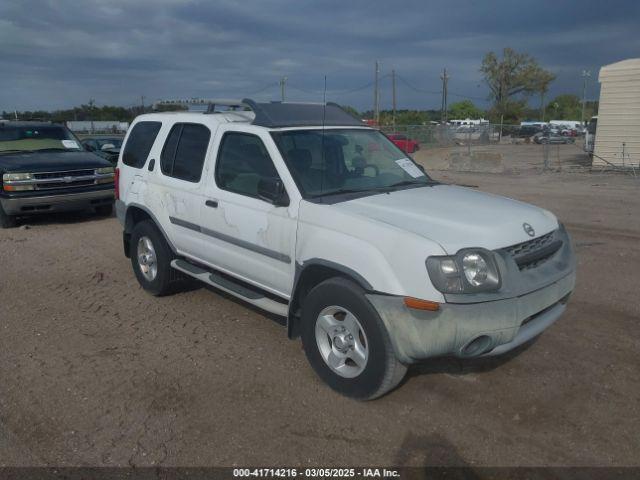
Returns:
(342, 341)
(147, 260)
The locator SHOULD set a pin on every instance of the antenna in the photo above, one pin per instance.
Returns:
(324, 110)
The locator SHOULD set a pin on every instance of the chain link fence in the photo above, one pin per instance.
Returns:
(489, 148)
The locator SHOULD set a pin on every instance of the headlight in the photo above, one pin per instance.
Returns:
(475, 268)
(108, 174)
(9, 181)
(469, 271)
(8, 177)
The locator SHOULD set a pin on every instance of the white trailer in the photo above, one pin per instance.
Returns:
(617, 139)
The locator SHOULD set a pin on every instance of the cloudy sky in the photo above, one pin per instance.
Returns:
(60, 53)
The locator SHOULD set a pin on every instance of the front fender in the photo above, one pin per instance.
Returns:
(389, 259)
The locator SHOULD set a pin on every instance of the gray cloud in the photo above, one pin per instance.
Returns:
(59, 53)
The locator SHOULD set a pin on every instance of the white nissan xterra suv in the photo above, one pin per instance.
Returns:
(301, 210)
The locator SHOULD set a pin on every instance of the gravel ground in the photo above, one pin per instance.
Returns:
(94, 371)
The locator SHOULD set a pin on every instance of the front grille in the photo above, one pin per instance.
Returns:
(64, 179)
(533, 253)
(68, 173)
(75, 183)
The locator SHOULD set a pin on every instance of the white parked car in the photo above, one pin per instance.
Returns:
(304, 212)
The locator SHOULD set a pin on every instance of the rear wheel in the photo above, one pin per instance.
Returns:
(347, 343)
(7, 221)
(151, 259)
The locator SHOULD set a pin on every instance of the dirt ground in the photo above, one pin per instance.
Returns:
(94, 371)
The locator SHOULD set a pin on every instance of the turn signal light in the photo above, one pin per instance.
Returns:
(418, 304)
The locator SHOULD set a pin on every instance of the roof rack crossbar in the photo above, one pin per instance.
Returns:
(211, 103)
(277, 114)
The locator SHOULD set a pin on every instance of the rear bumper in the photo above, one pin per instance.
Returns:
(496, 327)
(56, 203)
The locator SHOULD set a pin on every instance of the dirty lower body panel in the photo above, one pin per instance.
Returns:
(471, 330)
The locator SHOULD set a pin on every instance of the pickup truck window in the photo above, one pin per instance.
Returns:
(27, 138)
(336, 161)
(184, 151)
(242, 162)
(139, 143)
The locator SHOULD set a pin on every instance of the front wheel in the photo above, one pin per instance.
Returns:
(347, 343)
(7, 221)
(151, 259)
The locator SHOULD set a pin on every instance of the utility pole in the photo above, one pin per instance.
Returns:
(445, 80)
(283, 82)
(393, 87)
(376, 95)
(142, 103)
(585, 74)
(91, 102)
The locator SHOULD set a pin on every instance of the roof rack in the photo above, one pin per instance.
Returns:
(210, 103)
(278, 114)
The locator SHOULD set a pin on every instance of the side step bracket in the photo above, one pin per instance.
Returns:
(249, 295)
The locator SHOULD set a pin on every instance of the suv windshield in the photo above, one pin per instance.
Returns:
(26, 138)
(337, 161)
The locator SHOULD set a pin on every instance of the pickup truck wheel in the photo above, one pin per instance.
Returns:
(347, 343)
(7, 221)
(151, 259)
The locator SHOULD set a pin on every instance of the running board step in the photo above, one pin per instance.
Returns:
(232, 288)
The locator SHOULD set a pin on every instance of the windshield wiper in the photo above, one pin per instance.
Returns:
(340, 191)
(404, 183)
(375, 189)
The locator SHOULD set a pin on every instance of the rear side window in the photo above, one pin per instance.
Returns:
(139, 143)
(184, 151)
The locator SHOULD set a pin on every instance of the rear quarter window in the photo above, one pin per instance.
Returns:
(184, 151)
(139, 143)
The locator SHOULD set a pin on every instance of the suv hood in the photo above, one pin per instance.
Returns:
(455, 217)
(50, 161)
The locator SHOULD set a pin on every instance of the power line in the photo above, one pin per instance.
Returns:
(303, 90)
(481, 99)
(338, 92)
(419, 90)
(266, 87)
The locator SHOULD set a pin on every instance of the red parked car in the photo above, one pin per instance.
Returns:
(405, 144)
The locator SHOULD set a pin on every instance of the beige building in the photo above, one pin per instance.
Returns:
(618, 131)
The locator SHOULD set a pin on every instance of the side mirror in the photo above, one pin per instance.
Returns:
(272, 190)
(108, 146)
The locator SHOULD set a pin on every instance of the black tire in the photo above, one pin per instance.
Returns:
(7, 221)
(382, 371)
(105, 210)
(166, 277)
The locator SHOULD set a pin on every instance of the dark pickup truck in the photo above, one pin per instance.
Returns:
(44, 169)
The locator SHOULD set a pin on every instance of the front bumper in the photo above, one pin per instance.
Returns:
(498, 326)
(28, 205)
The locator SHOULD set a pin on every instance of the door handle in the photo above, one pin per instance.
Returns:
(211, 203)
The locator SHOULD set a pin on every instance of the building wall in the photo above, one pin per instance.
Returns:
(618, 131)
(98, 126)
